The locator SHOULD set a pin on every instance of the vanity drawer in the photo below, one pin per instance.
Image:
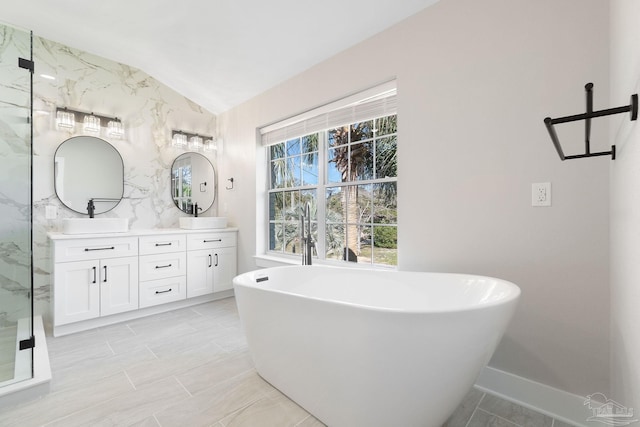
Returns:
(211, 240)
(162, 244)
(161, 291)
(86, 249)
(161, 266)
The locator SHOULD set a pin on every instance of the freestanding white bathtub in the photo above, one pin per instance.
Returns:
(363, 348)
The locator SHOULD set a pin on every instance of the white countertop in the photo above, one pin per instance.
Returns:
(58, 235)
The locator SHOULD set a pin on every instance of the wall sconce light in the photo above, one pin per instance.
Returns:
(91, 123)
(115, 129)
(65, 120)
(192, 141)
(195, 143)
(179, 139)
(210, 145)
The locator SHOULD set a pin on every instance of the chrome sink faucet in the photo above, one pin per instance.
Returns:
(305, 234)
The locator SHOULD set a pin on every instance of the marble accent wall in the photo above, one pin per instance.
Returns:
(148, 110)
(15, 238)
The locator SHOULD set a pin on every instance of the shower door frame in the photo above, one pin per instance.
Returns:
(24, 321)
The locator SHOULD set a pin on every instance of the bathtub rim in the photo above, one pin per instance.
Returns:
(512, 298)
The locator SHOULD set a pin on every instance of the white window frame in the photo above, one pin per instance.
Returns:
(308, 123)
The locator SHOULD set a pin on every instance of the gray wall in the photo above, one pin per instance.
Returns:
(475, 81)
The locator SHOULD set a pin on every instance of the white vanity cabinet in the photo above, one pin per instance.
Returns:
(94, 277)
(102, 279)
(163, 269)
(211, 262)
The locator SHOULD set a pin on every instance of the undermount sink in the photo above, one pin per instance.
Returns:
(196, 223)
(94, 225)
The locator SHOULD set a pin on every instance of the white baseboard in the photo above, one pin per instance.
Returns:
(556, 403)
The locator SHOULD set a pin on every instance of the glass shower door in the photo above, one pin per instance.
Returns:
(16, 292)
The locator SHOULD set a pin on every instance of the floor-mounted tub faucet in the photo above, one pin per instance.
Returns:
(305, 231)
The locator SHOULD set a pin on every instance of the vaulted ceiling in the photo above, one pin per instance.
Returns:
(218, 53)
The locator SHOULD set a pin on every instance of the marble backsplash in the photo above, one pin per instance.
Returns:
(149, 111)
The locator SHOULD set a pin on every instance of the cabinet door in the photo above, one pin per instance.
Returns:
(118, 285)
(224, 268)
(76, 291)
(199, 273)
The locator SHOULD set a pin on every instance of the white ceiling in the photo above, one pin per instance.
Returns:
(218, 53)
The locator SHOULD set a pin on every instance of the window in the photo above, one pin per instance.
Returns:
(347, 171)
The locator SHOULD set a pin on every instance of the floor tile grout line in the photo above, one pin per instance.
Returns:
(244, 407)
(475, 408)
(110, 348)
(196, 311)
(471, 417)
(129, 379)
(182, 385)
(303, 420)
(233, 378)
(151, 351)
(501, 418)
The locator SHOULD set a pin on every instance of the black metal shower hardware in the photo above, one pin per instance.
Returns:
(632, 108)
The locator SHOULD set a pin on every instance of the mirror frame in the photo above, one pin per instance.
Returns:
(65, 204)
(215, 183)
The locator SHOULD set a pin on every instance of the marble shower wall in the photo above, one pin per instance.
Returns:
(15, 238)
(148, 110)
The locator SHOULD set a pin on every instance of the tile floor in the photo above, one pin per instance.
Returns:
(188, 368)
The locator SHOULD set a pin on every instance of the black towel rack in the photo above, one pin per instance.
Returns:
(587, 116)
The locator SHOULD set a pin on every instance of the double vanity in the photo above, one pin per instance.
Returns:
(100, 279)
(102, 272)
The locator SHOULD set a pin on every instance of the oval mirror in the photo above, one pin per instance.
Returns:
(86, 168)
(193, 181)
